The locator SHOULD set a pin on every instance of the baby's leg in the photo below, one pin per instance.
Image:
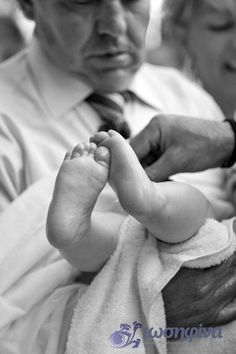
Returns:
(126, 176)
(172, 211)
(80, 180)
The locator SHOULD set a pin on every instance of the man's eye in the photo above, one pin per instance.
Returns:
(217, 27)
(81, 2)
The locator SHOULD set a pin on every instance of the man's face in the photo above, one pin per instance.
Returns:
(212, 42)
(101, 41)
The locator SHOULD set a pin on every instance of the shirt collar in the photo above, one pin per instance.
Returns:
(61, 90)
(144, 89)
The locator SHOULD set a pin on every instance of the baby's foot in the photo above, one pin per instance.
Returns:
(80, 180)
(126, 176)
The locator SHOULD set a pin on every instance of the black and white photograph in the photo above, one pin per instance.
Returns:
(117, 176)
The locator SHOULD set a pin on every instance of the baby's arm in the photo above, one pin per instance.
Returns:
(176, 211)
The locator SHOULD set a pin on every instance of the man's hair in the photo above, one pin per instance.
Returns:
(176, 14)
(176, 17)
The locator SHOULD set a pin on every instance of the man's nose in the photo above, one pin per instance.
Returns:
(111, 18)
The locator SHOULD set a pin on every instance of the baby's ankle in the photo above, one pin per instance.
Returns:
(140, 206)
(61, 236)
(153, 204)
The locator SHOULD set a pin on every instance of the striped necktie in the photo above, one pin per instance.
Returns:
(110, 107)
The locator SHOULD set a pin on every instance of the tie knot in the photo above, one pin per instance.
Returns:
(110, 107)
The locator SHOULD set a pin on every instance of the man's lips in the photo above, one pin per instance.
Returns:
(109, 50)
(111, 59)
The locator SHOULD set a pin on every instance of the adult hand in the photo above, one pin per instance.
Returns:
(172, 144)
(202, 296)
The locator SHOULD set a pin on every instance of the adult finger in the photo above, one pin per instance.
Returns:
(147, 141)
(163, 168)
(141, 144)
(225, 295)
(227, 314)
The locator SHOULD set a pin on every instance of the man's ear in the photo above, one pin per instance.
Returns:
(28, 8)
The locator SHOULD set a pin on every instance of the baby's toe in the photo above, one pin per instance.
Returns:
(113, 133)
(67, 156)
(78, 151)
(92, 148)
(100, 136)
(86, 149)
(102, 156)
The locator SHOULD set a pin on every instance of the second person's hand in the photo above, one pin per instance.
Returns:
(172, 144)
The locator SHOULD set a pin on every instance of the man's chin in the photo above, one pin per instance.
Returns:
(112, 80)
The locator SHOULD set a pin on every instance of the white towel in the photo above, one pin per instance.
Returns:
(127, 291)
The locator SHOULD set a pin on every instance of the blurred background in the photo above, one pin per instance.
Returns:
(16, 31)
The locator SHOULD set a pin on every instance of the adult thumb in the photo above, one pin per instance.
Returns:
(161, 170)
